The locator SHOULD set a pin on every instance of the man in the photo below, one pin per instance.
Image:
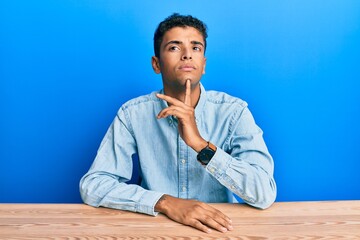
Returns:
(194, 146)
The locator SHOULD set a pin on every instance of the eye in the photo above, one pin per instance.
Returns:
(174, 48)
(196, 48)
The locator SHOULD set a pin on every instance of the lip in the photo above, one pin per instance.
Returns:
(187, 67)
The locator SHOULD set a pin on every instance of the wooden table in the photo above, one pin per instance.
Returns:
(284, 220)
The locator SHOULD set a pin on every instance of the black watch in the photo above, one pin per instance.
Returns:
(205, 155)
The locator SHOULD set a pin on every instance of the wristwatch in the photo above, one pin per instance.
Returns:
(205, 155)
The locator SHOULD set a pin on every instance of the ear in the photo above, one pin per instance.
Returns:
(155, 62)
(204, 65)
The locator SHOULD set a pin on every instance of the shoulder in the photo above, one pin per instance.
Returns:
(139, 106)
(224, 99)
(140, 101)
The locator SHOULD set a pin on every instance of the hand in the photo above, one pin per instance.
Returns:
(193, 213)
(185, 114)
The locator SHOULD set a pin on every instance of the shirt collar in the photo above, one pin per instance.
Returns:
(201, 103)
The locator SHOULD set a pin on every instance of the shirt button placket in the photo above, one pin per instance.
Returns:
(183, 174)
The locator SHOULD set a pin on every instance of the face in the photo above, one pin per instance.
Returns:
(181, 57)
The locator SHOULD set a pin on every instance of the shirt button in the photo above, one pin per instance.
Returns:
(232, 187)
(212, 170)
(170, 121)
(183, 161)
(183, 189)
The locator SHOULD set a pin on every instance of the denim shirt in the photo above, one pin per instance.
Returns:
(241, 165)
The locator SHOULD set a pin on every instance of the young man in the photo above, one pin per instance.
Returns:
(194, 146)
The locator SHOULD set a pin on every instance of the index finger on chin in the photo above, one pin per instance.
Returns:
(188, 93)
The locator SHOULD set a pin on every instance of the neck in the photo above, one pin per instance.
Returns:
(179, 93)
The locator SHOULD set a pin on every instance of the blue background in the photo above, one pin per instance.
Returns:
(66, 66)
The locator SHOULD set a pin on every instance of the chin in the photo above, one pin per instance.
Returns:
(194, 82)
(191, 78)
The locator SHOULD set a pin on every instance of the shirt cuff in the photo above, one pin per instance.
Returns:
(218, 164)
(148, 201)
(218, 168)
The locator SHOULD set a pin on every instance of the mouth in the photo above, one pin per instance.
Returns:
(187, 68)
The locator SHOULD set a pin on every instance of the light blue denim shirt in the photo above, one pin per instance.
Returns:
(241, 165)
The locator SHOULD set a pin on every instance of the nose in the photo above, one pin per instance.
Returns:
(186, 55)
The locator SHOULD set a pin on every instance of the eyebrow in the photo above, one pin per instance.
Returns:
(180, 42)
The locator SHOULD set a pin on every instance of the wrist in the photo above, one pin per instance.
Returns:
(200, 145)
(161, 205)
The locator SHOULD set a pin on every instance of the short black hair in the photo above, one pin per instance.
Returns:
(177, 20)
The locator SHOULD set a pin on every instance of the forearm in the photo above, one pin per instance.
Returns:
(99, 189)
(254, 182)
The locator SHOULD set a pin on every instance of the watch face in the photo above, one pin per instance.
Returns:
(205, 155)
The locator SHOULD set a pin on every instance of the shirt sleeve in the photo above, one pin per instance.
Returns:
(244, 165)
(105, 183)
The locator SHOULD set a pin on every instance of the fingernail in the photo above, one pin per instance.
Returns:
(230, 227)
(208, 231)
(223, 229)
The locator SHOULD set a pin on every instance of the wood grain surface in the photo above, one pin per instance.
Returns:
(284, 220)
